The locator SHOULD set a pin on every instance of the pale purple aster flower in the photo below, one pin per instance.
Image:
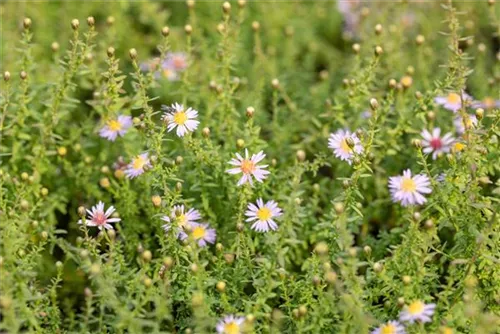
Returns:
(179, 217)
(350, 10)
(138, 166)
(201, 233)
(408, 190)
(486, 103)
(177, 117)
(249, 167)
(433, 143)
(116, 127)
(470, 121)
(100, 218)
(339, 143)
(175, 63)
(230, 324)
(417, 311)
(453, 101)
(262, 215)
(390, 327)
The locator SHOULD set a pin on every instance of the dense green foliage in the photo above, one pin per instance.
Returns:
(277, 77)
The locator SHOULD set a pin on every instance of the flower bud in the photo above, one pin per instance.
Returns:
(221, 286)
(226, 7)
(406, 81)
(356, 48)
(250, 112)
(367, 250)
(255, 26)
(378, 50)
(406, 279)
(229, 258)
(240, 143)
(188, 29)
(168, 262)
(132, 53)
(401, 301)
(374, 104)
(156, 200)
(44, 191)
(321, 248)
(392, 83)
(420, 39)
(302, 310)
(23, 75)
(429, 223)
(190, 4)
(147, 282)
(331, 277)
(378, 267)
(104, 182)
(111, 52)
(301, 155)
(90, 21)
(6, 76)
(147, 255)
(62, 151)
(95, 269)
(339, 208)
(75, 24)
(275, 83)
(165, 31)
(242, 3)
(206, 132)
(27, 23)
(378, 29)
(479, 113)
(110, 20)
(417, 143)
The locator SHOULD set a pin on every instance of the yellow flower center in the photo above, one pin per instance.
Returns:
(416, 308)
(247, 166)
(167, 73)
(139, 162)
(458, 147)
(114, 125)
(344, 146)
(181, 220)
(264, 213)
(231, 328)
(408, 185)
(199, 232)
(388, 329)
(447, 330)
(489, 102)
(180, 118)
(453, 98)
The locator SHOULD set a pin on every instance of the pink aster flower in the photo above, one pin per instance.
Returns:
(408, 190)
(116, 127)
(248, 167)
(345, 144)
(100, 218)
(417, 311)
(433, 143)
(453, 101)
(178, 117)
(487, 103)
(262, 215)
(201, 233)
(138, 166)
(230, 324)
(470, 121)
(175, 63)
(391, 327)
(179, 218)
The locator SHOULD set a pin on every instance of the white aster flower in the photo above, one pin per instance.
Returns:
(460, 125)
(180, 218)
(417, 311)
(138, 166)
(100, 218)
(116, 127)
(391, 327)
(178, 117)
(230, 324)
(248, 167)
(453, 101)
(433, 143)
(344, 144)
(408, 190)
(262, 215)
(201, 233)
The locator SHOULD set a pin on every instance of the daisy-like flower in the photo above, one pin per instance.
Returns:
(452, 101)
(487, 103)
(201, 234)
(248, 167)
(433, 143)
(344, 144)
(100, 218)
(391, 327)
(470, 121)
(116, 127)
(230, 324)
(350, 10)
(138, 166)
(262, 215)
(408, 190)
(178, 117)
(180, 218)
(417, 311)
(175, 63)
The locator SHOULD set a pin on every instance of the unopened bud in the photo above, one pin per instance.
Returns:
(132, 53)
(420, 39)
(205, 132)
(301, 155)
(6, 76)
(90, 21)
(479, 113)
(321, 248)
(23, 75)
(275, 83)
(75, 24)
(378, 50)
(378, 29)
(374, 104)
(250, 112)
(147, 255)
(226, 7)
(221, 286)
(165, 31)
(188, 29)
(255, 26)
(27, 23)
(111, 52)
(156, 200)
(356, 48)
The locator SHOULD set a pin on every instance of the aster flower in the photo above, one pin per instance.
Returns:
(350, 10)
(177, 117)
(230, 324)
(175, 63)
(470, 121)
(100, 218)
(417, 311)
(180, 218)
(344, 144)
(487, 103)
(116, 127)
(408, 190)
(201, 234)
(433, 143)
(391, 327)
(262, 215)
(452, 101)
(248, 167)
(138, 166)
